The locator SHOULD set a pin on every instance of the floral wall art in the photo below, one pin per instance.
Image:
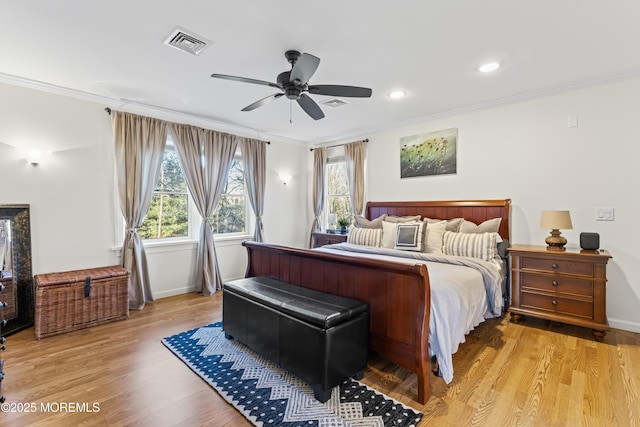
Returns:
(432, 153)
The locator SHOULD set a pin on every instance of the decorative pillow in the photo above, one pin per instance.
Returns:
(453, 224)
(475, 245)
(398, 219)
(434, 236)
(409, 236)
(489, 226)
(363, 222)
(365, 236)
(388, 234)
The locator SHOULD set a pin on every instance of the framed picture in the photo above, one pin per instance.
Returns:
(432, 153)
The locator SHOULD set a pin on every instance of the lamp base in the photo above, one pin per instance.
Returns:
(555, 242)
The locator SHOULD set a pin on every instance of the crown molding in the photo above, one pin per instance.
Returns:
(146, 109)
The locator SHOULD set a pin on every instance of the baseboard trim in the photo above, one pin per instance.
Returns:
(624, 325)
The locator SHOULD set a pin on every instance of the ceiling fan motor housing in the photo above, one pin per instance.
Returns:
(291, 90)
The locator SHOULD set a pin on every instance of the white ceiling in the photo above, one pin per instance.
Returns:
(431, 49)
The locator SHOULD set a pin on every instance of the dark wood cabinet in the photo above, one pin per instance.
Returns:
(321, 239)
(562, 286)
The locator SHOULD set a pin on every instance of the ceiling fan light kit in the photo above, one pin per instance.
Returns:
(294, 85)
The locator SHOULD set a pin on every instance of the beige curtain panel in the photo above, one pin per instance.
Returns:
(319, 166)
(205, 157)
(354, 154)
(139, 147)
(255, 170)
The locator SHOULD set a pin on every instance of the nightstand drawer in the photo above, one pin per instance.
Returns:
(557, 305)
(557, 266)
(321, 239)
(558, 284)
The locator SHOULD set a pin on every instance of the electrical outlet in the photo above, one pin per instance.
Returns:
(604, 214)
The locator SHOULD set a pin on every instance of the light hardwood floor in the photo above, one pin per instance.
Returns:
(531, 374)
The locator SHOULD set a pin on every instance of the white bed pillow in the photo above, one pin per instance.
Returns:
(388, 234)
(365, 236)
(409, 236)
(475, 245)
(434, 238)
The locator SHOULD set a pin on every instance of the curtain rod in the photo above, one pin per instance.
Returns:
(339, 145)
(108, 110)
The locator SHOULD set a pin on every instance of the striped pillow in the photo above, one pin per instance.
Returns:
(365, 236)
(483, 245)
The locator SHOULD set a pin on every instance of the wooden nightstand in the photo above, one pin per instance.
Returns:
(561, 286)
(321, 239)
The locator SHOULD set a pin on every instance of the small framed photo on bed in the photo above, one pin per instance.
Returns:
(432, 153)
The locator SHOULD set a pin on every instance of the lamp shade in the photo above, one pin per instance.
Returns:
(556, 220)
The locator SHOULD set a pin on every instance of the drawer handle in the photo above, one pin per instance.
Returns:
(554, 282)
(3, 304)
(554, 265)
(554, 302)
(3, 348)
(1, 287)
(3, 340)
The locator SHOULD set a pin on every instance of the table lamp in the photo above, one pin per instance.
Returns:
(556, 221)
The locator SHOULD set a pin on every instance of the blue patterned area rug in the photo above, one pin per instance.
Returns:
(269, 396)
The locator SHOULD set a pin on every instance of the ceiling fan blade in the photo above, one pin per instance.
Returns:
(337, 90)
(310, 107)
(244, 80)
(262, 102)
(304, 68)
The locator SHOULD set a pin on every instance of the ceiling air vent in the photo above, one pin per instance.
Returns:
(185, 41)
(335, 103)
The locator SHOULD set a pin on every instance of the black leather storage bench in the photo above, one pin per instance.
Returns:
(318, 337)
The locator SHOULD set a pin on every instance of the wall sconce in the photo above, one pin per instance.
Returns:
(284, 179)
(556, 221)
(34, 156)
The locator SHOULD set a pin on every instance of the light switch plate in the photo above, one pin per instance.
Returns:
(604, 214)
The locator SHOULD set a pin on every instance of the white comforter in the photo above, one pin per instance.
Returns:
(464, 291)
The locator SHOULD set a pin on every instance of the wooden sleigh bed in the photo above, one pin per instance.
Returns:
(398, 294)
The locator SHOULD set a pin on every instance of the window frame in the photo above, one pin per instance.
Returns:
(195, 221)
(331, 160)
(192, 211)
(248, 210)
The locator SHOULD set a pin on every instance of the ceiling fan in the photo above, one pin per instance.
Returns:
(293, 84)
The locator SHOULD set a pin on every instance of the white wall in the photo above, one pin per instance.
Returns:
(73, 199)
(523, 151)
(527, 152)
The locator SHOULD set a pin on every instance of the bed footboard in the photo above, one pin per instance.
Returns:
(398, 296)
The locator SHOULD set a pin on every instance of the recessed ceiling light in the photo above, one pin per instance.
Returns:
(397, 94)
(489, 67)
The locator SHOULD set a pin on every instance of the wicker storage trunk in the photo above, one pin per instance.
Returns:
(78, 299)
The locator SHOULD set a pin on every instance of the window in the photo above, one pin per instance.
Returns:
(338, 199)
(169, 214)
(231, 214)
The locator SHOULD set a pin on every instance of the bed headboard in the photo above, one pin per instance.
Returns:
(477, 211)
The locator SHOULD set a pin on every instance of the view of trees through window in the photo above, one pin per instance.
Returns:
(338, 191)
(168, 215)
(230, 214)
